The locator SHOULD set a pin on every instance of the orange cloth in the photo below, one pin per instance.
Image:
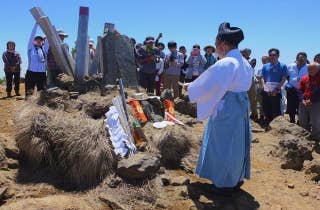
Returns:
(138, 111)
(169, 107)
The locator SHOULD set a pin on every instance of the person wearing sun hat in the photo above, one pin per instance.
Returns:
(92, 51)
(53, 69)
(222, 99)
(209, 50)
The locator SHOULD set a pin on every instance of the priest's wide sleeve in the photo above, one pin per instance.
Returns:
(208, 89)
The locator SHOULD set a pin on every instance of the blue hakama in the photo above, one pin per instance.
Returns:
(225, 153)
(221, 97)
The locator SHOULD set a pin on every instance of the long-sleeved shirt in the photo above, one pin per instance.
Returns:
(146, 55)
(174, 68)
(37, 56)
(195, 65)
(11, 60)
(295, 74)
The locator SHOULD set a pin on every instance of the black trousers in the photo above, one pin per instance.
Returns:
(271, 106)
(148, 82)
(15, 77)
(35, 79)
(292, 103)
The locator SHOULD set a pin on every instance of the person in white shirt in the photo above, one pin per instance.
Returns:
(37, 62)
(295, 71)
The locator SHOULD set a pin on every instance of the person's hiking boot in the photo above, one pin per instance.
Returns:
(9, 95)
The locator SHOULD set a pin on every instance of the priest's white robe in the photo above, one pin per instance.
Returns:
(221, 97)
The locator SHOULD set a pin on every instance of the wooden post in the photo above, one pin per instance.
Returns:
(68, 56)
(82, 49)
(117, 102)
(55, 42)
(100, 54)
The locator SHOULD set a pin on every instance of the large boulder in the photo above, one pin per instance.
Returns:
(281, 126)
(118, 60)
(293, 151)
(185, 107)
(140, 166)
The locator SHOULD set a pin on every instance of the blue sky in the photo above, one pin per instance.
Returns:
(289, 25)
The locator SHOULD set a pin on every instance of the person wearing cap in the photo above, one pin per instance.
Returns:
(196, 63)
(37, 62)
(209, 50)
(12, 60)
(273, 76)
(148, 57)
(173, 62)
(92, 51)
(53, 69)
(295, 71)
(309, 108)
(221, 97)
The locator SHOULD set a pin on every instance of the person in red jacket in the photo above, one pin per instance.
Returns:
(309, 109)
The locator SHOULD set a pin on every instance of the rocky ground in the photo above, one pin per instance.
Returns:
(273, 185)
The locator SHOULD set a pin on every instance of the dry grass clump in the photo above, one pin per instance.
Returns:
(173, 144)
(72, 143)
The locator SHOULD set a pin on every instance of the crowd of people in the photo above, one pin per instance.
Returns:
(275, 88)
(275, 83)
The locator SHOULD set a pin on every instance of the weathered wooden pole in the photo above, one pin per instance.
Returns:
(63, 59)
(82, 45)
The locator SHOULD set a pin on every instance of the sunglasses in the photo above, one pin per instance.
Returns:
(273, 55)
